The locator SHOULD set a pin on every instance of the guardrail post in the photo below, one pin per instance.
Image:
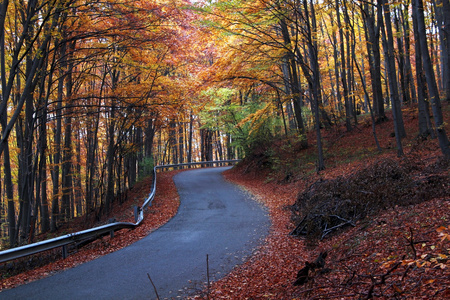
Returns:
(110, 221)
(65, 253)
(136, 213)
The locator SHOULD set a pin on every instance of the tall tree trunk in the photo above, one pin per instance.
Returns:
(25, 158)
(109, 197)
(9, 190)
(337, 66)
(173, 141)
(57, 142)
(431, 80)
(288, 91)
(373, 49)
(206, 144)
(42, 178)
(404, 86)
(388, 45)
(425, 125)
(67, 186)
(442, 8)
(78, 185)
(191, 124)
(294, 82)
(91, 160)
(344, 81)
(67, 167)
(314, 81)
(408, 69)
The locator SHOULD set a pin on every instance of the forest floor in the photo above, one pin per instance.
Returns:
(401, 251)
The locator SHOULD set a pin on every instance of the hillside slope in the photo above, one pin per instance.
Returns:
(398, 251)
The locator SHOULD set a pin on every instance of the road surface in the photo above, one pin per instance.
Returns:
(215, 217)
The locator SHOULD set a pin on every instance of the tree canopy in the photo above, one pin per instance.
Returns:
(95, 92)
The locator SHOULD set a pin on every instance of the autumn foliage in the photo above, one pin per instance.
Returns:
(338, 108)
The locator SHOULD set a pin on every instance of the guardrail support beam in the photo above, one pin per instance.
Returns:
(65, 253)
(136, 213)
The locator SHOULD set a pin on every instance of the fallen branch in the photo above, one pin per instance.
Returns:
(154, 287)
(304, 275)
(345, 222)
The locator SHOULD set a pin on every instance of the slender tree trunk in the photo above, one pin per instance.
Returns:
(45, 218)
(315, 82)
(191, 124)
(173, 141)
(344, 81)
(404, 86)
(431, 80)
(442, 9)
(372, 32)
(337, 66)
(78, 185)
(408, 69)
(26, 176)
(180, 143)
(110, 161)
(287, 89)
(388, 45)
(425, 125)
(67, 184)
(9, 190)
(294, 82)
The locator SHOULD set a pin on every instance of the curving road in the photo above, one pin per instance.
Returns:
(215, 218)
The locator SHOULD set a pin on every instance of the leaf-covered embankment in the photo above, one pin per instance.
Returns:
(163, 208)
(399, 246)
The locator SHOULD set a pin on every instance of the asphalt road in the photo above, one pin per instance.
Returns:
(215, 218)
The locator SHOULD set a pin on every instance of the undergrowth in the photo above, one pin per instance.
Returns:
(329, 205)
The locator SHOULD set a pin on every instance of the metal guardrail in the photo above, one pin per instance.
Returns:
(96, 232)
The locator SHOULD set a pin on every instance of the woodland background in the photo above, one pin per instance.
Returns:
(94, 93)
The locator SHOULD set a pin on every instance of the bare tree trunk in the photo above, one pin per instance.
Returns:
(191, 124)
(41, 184)
(9, 190)
(180, 142)
(442, 11)
(425, 125)
(373, 49)
(344, 81)
(173, 141)
(431, 80)
(110, 161)
(294, 82)
(67, 186)
(404, 86)
(408, 69)
(388, 45)
(78, 185)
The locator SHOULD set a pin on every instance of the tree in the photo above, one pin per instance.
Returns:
(444, 143)
(388, 45)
